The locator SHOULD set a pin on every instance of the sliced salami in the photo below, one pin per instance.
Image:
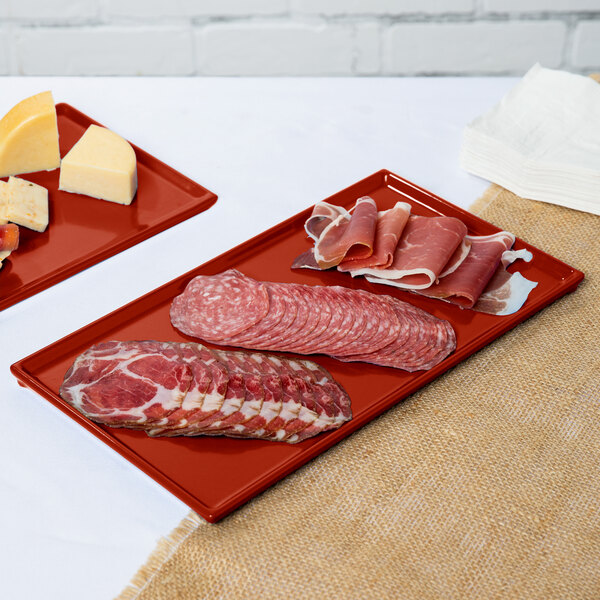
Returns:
(220, 306)
(351, 325)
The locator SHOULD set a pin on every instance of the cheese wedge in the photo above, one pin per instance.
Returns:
(3, 202)
(27, 204)
(29, 137)
(102, 165)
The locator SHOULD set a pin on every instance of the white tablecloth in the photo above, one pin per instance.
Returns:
(76, 519)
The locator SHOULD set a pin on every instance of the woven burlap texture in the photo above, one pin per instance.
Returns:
(485, 484)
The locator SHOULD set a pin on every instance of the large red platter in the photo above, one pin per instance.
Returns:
(216, 475)
(84, 231)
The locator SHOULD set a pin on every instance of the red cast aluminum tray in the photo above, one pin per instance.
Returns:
(216, 475)
(84, 231)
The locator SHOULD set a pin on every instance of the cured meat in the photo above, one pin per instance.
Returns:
(426, 246)
(464, 285)
(211, 305)
(322, 216)
(506, 292)
(169, 389)
(205, 396)
(347, 235)
(337, 321)
(430, 256)
(127, 384)
(380, 232)
(390, 224)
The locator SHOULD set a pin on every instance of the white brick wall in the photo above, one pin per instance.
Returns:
(297, 37)
(472, 47)
(259, 48)
(586, 48)
(104, 50)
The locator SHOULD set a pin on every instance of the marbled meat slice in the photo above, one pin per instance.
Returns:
(316, 393)
(195, 411)
(253, 392)
(262, 424)
(127, 384)
(332, 401)
(196, 393)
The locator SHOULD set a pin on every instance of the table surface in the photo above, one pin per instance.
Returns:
(77, 519)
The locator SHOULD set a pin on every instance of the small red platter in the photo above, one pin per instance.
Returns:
(84, 231)
(216, 475)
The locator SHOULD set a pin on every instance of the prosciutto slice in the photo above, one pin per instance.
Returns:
(345, 234)
(322, 216)
(426, 246)
(465, 284)
(506, 292)
(390, 224)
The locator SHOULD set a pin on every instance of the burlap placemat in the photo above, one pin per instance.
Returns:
(485, 484)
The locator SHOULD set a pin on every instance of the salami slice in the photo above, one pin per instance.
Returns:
(220, 306)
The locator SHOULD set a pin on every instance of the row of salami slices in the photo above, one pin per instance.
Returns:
(351, 325)
(169, 389)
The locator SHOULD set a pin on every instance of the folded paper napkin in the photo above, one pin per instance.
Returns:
(542, 141)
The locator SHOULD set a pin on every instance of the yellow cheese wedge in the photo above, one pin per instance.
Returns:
(29, 137)
(102, 165)
(3, 202)
(27, 204)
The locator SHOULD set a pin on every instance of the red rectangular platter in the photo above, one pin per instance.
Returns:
(216, 475)
(84, 231)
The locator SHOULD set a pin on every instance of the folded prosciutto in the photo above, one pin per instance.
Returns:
(390, 224)
(346, 234)
(425, 248)
(363, 237)
(431, 256)
(464, 285)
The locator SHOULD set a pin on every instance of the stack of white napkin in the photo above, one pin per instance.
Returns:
(542, 141)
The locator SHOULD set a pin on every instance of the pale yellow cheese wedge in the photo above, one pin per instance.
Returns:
(27, 204)
(102, 165)
(3, 202)
(29, 137)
